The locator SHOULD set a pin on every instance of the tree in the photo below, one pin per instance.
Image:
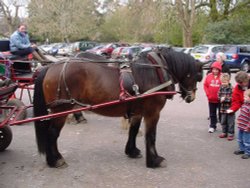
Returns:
(233, 30)
(10, 15)
(186, 12)
(135, 21)
(63, 20)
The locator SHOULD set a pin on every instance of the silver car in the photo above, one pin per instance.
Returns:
(206, 53)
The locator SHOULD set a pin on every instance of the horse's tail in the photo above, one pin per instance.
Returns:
(40, 109)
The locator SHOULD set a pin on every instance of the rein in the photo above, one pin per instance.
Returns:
(158, 62)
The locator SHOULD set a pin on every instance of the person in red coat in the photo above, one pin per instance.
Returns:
(243, 83)
(212, 85)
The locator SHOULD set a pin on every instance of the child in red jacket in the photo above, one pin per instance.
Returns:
(211, 86)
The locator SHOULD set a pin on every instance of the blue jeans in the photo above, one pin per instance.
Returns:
(244, 141)
(23, 52)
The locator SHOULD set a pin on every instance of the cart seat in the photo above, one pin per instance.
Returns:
(6, 54)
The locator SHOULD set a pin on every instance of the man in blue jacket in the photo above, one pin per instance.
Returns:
(20, 44)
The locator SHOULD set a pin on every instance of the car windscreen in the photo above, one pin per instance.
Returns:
(231, 50)
(200, 49)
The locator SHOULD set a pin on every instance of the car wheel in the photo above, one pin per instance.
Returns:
(245, 67)
(5, 137)
(18, 103)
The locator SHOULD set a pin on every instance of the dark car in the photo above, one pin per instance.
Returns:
(238, 57)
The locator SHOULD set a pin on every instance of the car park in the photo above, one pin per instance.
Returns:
(95, 49)
(52, 49)
(187, 50)
(65, 50)
(108, 49)
(130, 52)
(82, 46)
(206, 53)
(238, 57)
(116, 52)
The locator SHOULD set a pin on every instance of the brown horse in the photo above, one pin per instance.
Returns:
(61, 86)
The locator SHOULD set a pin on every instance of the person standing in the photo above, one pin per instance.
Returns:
(243, 83)
(225, 98)
(20, 44)
(221, 57)
(243, 122)
(211, 87)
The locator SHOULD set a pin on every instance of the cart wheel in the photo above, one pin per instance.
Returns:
(5, 137)
(18, 104)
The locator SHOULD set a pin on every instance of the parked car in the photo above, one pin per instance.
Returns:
(206, 53)
(178, 49)
(238, 57)
(82, 46)
(65, 50)
(108, 49)
(95, 49)
(188, 50)
(116, 52)
(130, 52)
(52, 49)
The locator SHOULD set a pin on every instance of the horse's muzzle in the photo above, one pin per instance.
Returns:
(189, 97)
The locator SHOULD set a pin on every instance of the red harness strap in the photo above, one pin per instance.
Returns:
(123, 92)
(159, 70)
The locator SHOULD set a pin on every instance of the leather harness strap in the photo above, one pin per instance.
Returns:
(161, 72)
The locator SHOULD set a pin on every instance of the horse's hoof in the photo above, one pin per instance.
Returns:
(163, 164)
(135, 154)
(61, 164)
(157, 162)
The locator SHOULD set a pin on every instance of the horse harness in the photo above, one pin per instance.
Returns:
(128, 87)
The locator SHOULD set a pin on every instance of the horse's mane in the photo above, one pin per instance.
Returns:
(178, 62)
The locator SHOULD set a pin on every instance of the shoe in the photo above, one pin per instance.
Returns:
(238, 152)
(245, 156)
(230, 137)
(223, 135)
(211, 130)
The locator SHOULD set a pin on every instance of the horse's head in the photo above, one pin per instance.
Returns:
(188, 84)
(184, 70)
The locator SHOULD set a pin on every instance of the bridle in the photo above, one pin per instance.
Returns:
(164, 67)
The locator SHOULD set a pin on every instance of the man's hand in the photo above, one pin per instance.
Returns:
(222, 99)
(33, 45)
(229, 111)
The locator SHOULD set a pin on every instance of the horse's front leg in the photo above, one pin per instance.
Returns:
(131, 150)
(53, 156)
(153, 160)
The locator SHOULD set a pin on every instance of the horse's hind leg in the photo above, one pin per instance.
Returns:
(131, 150)
(53, 156)
(152, 158)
